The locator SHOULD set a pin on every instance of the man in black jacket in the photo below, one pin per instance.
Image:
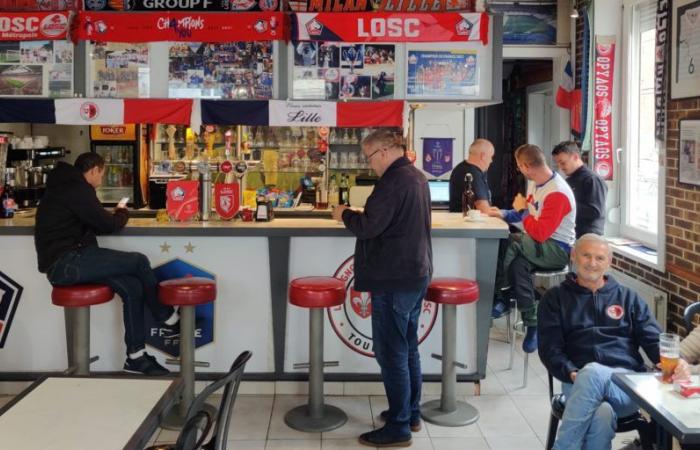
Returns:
(589, 189)
(590, 327)
(67, 221)
(394, 262)
(477, 164)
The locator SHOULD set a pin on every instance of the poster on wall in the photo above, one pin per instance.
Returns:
(604, 66)
(527, 24)
(343, 71)
(120, 70)
(685, 50)
(378, 5)
(689, 157)
(233, 70)
(442, 74)
(39, 5)
(182, 5)
(39, 68)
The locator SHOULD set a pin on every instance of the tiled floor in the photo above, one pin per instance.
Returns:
(511, 418)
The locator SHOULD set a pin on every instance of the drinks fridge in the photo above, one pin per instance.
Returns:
(125, 153)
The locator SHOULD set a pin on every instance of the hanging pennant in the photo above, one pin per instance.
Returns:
(227, 199)
(603, 101)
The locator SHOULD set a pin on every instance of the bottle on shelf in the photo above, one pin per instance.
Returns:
(8, 203)
(344, 190)
(332, 137)
(468, 197)
(346, 137)
(333, 195)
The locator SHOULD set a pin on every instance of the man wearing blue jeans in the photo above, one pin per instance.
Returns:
(393, 261)
(590, 327)
(67, 221)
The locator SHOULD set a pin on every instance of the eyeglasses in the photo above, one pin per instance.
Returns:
(369, 157)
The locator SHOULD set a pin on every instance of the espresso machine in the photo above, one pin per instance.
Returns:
(32, 166)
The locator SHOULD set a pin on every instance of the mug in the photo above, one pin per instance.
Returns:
(474, 214)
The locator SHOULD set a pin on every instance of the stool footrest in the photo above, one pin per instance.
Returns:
(455, 363)
(176, 362)
(308, 365)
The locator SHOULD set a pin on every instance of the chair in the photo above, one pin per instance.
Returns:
(542, 280)
(198, 418)
(76, 301)
(624, 424)
(689, 314)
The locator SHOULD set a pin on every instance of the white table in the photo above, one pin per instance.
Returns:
(676, 414)
(59, 413)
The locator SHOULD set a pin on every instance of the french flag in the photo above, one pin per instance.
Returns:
(566, 88)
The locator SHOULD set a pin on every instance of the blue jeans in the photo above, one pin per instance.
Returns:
(593, 404)
(129, 274)
(395, 345)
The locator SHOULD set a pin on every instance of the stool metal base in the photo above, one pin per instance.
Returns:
(300, 419)
(464, 414)
(174, 421)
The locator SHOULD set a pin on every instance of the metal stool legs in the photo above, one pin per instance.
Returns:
(77, 322)
(315, 416)
(515, 331)
(448, 411)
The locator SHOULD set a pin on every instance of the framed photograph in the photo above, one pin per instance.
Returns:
(444, 74)
(685, 49)
(689, 152)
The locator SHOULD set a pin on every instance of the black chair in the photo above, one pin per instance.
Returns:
(689, 314)
(624, 424)
(199, 422)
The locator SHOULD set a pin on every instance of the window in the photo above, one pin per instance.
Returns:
(642, 187)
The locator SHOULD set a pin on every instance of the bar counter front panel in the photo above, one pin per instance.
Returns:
(253, 263)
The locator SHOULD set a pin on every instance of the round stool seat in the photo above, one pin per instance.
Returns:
(81, 295)
(316, 292)
(453, 291)
(189, 291)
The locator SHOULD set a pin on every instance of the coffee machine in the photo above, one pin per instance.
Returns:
(32, 166)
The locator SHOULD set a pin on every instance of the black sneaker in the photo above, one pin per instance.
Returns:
(415, 423)
(145, 365)
(381, 438)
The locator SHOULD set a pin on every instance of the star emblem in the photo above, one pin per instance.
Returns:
(165, 247)
(189, 248)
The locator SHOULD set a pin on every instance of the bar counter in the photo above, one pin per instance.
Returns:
(253, 263)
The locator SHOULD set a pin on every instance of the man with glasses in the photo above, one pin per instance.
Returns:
(393, 261)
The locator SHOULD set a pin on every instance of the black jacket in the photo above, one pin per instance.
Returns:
(576, 327)
(393, 251)
(589, 191)
(480, 185)
(70, 215)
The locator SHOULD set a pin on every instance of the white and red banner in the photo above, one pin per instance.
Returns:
(227, 199)
(603, 71)
(180, 26)
(390, 27)
(34, 26)
(114, 111)
(302, 114)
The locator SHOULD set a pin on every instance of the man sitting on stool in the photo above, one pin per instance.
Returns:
(477, 163)
(547, 217)
(67, 221)
(590, 327)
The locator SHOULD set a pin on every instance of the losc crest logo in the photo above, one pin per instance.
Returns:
(314, 27)
(10, 293)
(352, 321)
(89, 111)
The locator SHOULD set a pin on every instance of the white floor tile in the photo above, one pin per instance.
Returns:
(279, 429)
(251, 418)
(463, 443)
(457, 432)
(5, 399)
(514, 442)
(359, 417)
(536, 411)
(246, 445)
(500, 417)
(289, 444)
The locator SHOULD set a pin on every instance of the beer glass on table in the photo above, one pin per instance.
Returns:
(669, 348)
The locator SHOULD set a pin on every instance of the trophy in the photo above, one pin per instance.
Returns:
(209, 139)
(170, 130)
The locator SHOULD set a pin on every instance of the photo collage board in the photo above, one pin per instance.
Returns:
(231, 70)
(343, 71)
(40, 68)
(120, 70)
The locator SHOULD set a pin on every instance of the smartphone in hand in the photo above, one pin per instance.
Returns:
(122, 203)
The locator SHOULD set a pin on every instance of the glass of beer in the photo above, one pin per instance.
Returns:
(669, 347)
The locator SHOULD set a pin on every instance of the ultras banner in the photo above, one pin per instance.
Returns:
(603, 101)
(34, 26)
(179, 26)
(390, 27)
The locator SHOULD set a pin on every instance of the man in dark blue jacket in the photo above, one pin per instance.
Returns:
(589, 327)
(394, 262)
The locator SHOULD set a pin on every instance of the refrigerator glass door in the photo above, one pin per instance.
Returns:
(118, 180)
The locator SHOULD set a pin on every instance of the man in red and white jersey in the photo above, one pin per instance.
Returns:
(547, 217)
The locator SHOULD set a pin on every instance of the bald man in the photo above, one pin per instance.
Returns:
(477, 163)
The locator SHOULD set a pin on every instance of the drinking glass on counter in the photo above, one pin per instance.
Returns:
(669, 348)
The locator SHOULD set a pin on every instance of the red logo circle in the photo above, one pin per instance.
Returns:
(226, 166)
(615, 312)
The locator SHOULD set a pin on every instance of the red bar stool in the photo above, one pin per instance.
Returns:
(316, 293)
(186, 293)
(448, 412)
(76, 301)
